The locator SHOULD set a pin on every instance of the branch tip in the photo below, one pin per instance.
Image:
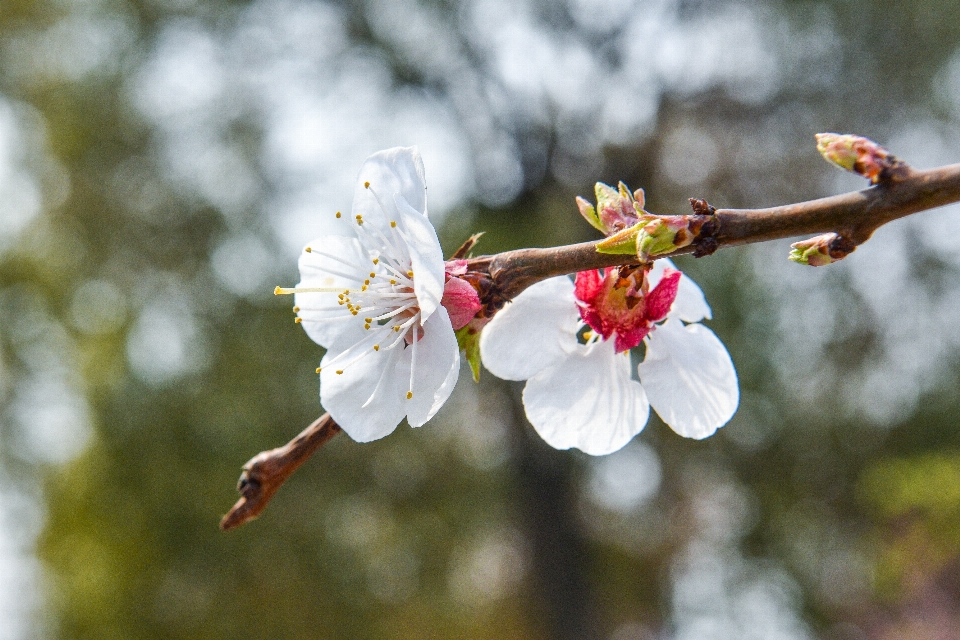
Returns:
(266, 472)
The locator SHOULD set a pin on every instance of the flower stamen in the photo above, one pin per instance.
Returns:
(285, 291)
(413, 363)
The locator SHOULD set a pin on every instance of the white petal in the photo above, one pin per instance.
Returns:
(529, 333)
(689, 378)
(317, 270)
(426, 257)
(344, 395)
(437, 368)
(390, 172)
(587, 401)
(690, 305)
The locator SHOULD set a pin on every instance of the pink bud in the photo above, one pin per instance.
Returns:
(461, 301)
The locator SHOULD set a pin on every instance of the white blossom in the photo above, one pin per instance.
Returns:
(373, 300)
(581, 393)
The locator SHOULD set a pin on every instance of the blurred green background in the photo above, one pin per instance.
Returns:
(163, 161)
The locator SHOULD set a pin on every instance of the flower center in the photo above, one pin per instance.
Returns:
(381, 297)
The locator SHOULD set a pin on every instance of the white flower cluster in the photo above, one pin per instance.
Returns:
(376, 301)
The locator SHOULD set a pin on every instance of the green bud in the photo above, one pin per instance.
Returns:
(861, 156)
(821, 250)
(838, 149)
(815, 256)
(663, 235)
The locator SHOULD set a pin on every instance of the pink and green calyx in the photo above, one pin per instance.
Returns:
(462, 303)
(619, 303)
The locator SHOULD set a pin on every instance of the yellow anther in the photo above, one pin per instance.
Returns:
(284, 291)
(376, 347)
(353, 311)
(392, 281)
(298, 320)
(363, 288)
(366, 185)
(357, 307)
(368, 320)
(318, 369)
(393, 223)
(308, 250)
(296, 309)
(376, 261)
(409, 274)
(338, 214)
(366, 325)
(373, 275)
(409, 394)
(366, 282)
(340, 302)
(346, 292)
(339, 372)
(397, 329)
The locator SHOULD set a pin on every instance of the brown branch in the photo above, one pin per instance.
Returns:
(268, 470)
(855, 215)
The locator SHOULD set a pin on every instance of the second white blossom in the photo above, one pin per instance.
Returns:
(571, 344)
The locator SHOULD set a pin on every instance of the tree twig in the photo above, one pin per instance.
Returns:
(268, 470)
(853, 216)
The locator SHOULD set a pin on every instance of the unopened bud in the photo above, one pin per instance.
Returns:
(663, 235)
(616, 210)
(822, 250)
(653, 236)
(860, 155)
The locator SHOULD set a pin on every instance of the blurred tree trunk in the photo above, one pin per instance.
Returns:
(559, 554)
